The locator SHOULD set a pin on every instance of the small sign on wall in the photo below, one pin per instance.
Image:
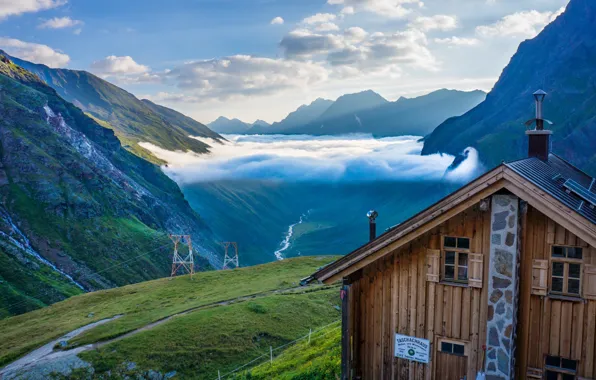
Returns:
(411, 348)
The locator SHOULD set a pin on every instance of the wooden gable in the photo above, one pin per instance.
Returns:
(499, 178)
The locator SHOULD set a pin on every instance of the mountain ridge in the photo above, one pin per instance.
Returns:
(416, 116)
(132, 119)
(405, 116)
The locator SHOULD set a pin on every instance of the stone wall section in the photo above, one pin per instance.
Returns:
(502, 287)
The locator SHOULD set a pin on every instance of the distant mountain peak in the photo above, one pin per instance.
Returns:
(260, 123)
(351, 103)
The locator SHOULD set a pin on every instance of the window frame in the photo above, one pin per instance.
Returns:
(565, 261)
(456, 266)
(560, 370)
(466, 344)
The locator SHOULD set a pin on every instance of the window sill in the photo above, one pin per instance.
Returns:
(450, 283)
(562, 297)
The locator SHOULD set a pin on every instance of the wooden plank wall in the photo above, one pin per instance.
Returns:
(550, 326)
(392, 295)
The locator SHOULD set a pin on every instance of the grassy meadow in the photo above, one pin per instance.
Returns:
(146, 302)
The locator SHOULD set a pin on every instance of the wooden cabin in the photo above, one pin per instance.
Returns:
(498, 278)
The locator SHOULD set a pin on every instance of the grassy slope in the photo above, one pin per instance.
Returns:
(199, 344)
(318, 360)
(144, 303)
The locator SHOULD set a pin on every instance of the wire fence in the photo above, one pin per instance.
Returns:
(269, 354)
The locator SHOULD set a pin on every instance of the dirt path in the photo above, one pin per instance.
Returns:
(46, 353)
(39, 363)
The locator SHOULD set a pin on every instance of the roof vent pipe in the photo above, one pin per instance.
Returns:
(539, 138)
(372, 224)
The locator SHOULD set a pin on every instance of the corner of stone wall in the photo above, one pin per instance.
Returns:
(502, 287)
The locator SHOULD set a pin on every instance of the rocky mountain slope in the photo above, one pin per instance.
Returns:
(74, 205)
(132, 120)
(561, 61)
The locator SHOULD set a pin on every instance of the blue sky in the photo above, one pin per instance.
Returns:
(229, 57)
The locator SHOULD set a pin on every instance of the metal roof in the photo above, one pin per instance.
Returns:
(551, 176)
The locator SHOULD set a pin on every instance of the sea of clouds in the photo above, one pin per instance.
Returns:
(348, 158)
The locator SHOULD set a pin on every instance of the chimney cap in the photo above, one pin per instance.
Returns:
(372, 215)
(540, 95)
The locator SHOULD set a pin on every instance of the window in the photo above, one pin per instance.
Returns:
(566, 269)
(558, 368)
(455, 258)
(452, 347)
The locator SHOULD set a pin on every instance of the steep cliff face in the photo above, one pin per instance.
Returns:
(561, 61)
(132, 120)
(75, 205)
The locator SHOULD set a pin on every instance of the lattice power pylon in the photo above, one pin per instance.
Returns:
(186, 263)
(233, 259)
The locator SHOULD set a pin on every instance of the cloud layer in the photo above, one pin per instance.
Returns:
(350, 158)
(526, 24)
(17, 7)
(242, 75)
(60, 23)
(33, 52)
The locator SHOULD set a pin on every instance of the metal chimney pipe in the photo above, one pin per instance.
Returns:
(372, 224)
(539, 138)
(539, 97)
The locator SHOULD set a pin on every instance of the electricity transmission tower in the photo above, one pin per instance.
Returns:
(180, 262)
(230, 259)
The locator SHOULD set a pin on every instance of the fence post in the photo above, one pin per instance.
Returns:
(309, 334)
(218, 375)
(271, 352)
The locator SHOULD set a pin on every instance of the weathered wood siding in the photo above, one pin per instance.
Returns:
(550, 326)
(392, 295)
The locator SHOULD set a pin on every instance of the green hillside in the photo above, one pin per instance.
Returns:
(221, 320)
(74, 203)
(319, 359)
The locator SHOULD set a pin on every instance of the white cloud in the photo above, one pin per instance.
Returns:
(385, 8)
(277, 21)
(437, 22)
(319, 18)
(17, 7)
(525, 24)
(60, 23)
(242, 75)
(385, 53)
(355, 34)
(34, 52)
(348, 11)
(326, 27)
(302, 43)
(457, 41)
(113, 65)
(353, 158)
(321, 22)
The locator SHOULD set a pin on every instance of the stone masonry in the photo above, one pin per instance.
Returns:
(502, 283)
